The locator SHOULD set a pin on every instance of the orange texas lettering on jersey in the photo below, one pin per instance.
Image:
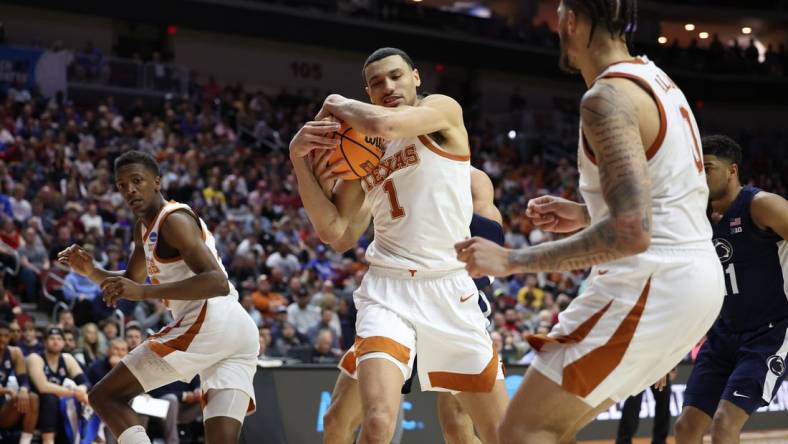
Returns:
(401, 159)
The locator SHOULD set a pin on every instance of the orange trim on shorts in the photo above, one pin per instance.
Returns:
(182, 342)
(382, 344)
(584, 375)
(482, 382)
(348, 362)
(441, 152)
(663, 119)
(580, 333)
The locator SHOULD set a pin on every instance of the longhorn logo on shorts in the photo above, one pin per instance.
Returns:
(724, 249)
(776, 365)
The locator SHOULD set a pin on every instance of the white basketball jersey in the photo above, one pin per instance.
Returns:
(420, 198)
(679, 193)
(162, 271)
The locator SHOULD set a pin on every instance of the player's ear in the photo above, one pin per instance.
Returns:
(733, 169)
(157, 183)
(416, 77)
(571, 21)
(366, 90)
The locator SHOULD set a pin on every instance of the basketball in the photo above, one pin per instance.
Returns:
(362, 153)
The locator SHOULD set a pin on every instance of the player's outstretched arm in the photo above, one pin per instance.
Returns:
(183, 234)
(610, 123)
(433, 114)
(80, 261)
(770, 211)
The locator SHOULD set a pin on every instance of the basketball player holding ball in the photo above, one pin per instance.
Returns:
(416, 297)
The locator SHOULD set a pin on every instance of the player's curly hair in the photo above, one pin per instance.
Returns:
(619, 17)
(723, 147)
(138, 157)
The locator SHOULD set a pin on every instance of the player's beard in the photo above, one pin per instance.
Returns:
(563, 61)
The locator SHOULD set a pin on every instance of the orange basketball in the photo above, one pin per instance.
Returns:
(361, 153)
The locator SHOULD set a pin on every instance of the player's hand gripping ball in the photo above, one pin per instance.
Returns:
(361, 153)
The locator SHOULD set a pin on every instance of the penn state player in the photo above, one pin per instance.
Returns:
(17, 404)
(742, 363)
(49, 374)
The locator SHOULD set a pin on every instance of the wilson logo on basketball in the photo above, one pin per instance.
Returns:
(377, 141)
(401, 159)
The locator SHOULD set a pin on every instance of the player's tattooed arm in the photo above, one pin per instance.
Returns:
(770, 211)
(610, 123)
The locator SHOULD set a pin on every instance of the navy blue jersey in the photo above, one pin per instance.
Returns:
(490, 230)
(6, 367)
(58, 375)
(755, 263)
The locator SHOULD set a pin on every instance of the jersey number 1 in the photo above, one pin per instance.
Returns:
(731, 272)
(396, 210)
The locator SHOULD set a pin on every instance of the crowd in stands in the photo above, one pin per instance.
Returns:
(706, 56)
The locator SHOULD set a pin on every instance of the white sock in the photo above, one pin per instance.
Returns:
(26, 438)
(134, 435)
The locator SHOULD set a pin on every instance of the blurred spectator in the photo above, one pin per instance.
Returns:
(322, 352)
(19, 92)
(321, 264)
(151, 314)
(110, 328)
(30, 343)
(326, 294)
(65, 320)
(92, 220)
(16, 333)
(54, 375)
(19, 205)
(80, 292)
(134, 335)
(287, 339)
(90, 345)
(117, 350)
(328, 320)
(265, 343)
(10, 310)
(302, 315)
(284, 259)
(34, 261)
(265, 300)
(90, 61)
(70, 342)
